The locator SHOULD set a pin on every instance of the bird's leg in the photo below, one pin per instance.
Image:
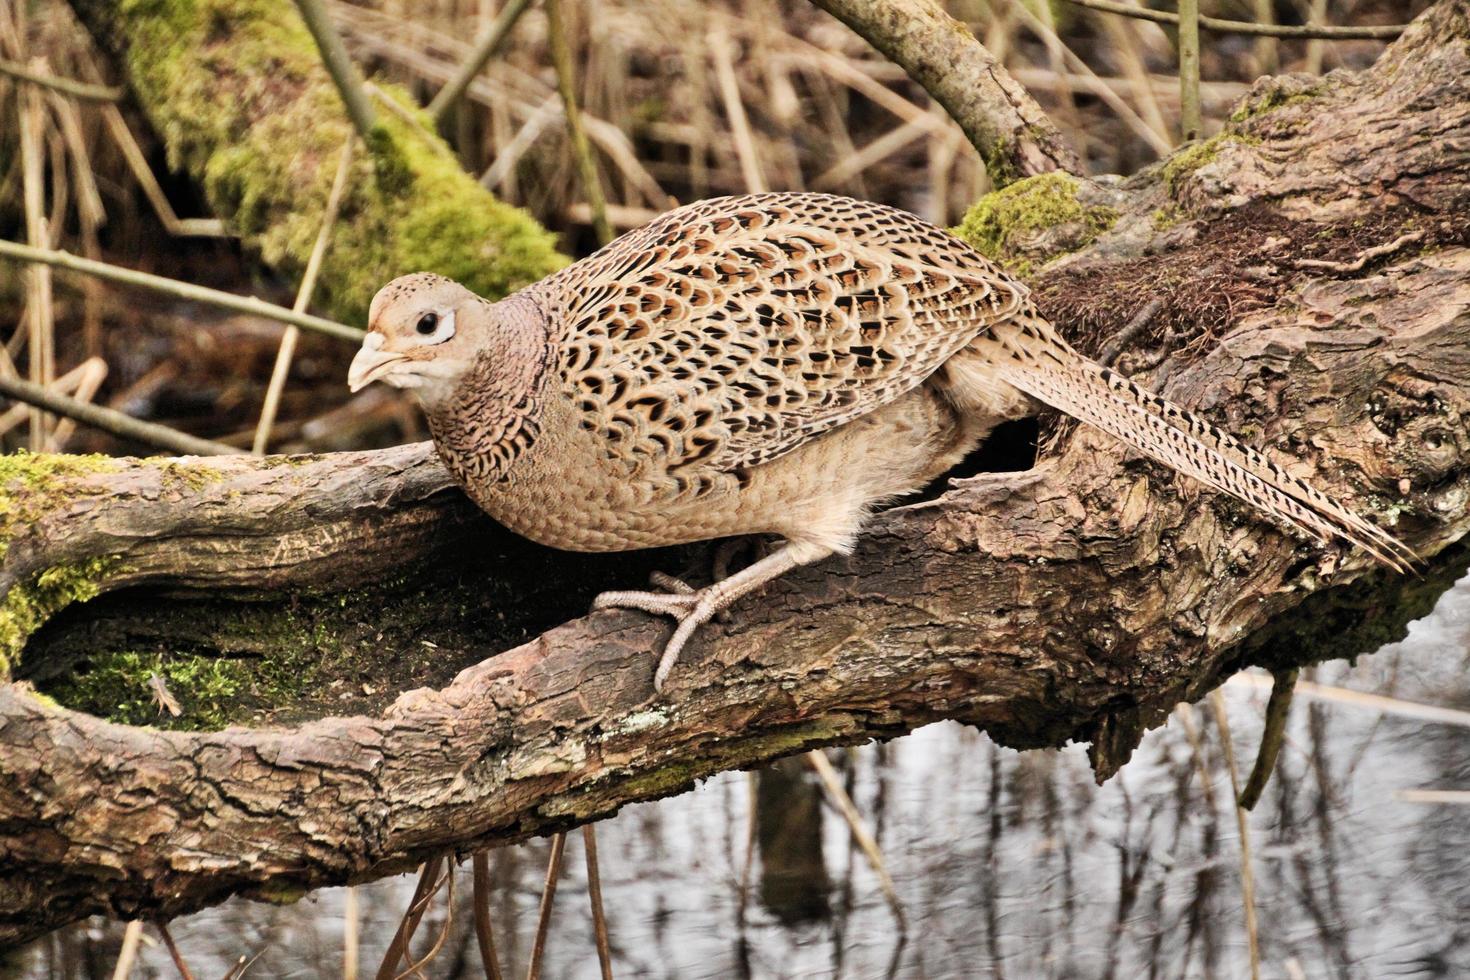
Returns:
(693, 609)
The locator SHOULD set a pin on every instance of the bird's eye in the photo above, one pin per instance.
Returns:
(427, 323)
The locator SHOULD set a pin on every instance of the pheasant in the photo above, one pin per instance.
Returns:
(778, 364)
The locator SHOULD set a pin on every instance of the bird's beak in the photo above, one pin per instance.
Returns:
(370, 363)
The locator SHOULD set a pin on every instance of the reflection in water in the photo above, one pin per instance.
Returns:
(788, 805)
(1008, 864)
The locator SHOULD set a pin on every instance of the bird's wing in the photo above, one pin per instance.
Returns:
(729, 332)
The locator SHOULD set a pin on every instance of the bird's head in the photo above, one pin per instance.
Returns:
(423, 334)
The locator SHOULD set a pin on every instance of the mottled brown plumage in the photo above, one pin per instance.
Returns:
(769, 364)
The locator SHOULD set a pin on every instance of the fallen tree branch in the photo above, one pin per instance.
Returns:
(1077, 599)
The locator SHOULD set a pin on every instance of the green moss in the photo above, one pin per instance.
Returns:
(290, 658)
(1166, 218)
(1001, 222)
(1273, 97)
(120, 687)
(237, 90)
(27, 606)
(227, 663)
(1198, 154)
(30, 485)
(40, 471)
(194, 475)
(998, 166)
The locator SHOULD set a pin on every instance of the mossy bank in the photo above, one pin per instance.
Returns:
(237, 91)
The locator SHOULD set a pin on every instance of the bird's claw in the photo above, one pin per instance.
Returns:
(690, 608)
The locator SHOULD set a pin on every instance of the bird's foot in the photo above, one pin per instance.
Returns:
(689, 607)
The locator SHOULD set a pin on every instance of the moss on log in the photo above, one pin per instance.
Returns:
(237, 92)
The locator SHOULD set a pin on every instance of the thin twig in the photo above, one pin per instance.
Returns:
(1125, 112)
(117, 128)
(548, 896)
(484, 935)
(173, 951)
(1267, 49)
(409, 116)
(350, 944)
(486, 47)
(180, 290)
(1190, 123)
(111, 420)
(1272, 737)
(1459, 796)
(242, 966)
(1242, 822)
(417, 966)
(745, 145)
(1376, 32)
(428, 883)
(344, 73)
(509, 155)
(40, 328)
(86, 379)
(1364, 257)
(1129, 333)
(1360, 699)
(129, 952)
(752, 817)
(287, 349)
(594, 894)
(837, 795)
(1124, 34)
(69, 86)
(561, 57)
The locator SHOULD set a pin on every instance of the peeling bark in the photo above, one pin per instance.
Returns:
(1081, 598)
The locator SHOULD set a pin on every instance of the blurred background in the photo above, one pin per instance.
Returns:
(683, 100)
(1004, 864)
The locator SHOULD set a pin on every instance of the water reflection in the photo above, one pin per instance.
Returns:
(1007, 864)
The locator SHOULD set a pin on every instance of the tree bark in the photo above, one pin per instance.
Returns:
(1306, 277)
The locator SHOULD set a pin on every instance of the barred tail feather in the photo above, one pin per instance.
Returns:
(1045, 367)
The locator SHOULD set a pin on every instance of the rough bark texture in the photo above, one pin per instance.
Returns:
(1308, 277)
(1012, 133)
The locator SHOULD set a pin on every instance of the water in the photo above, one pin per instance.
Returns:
(1006, 864)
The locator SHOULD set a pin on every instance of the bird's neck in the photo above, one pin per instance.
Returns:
(492, 416)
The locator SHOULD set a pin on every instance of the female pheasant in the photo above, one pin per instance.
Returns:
(766, 364)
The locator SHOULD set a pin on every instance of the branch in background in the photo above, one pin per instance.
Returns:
(197, 71)
(69, 86)
(344, 73)
(486, 48)
(182, 290)
(561, 56)
(1190, 124)
(1383, 32)
(110, 420)
(112, 117)
(287, 350)
(1013, 134)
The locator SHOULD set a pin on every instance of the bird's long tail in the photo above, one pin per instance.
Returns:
(1037, 361)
